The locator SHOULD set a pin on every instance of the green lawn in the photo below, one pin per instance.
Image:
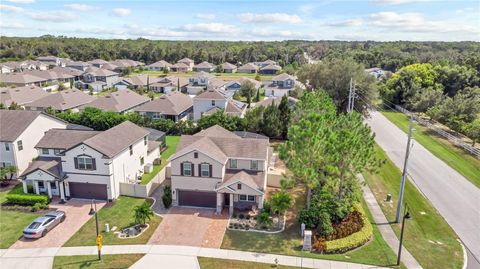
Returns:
(226, 76)
(171, 142)
(120, 214)
(428, 237)
(12, 224)
(117, 261)
(211, 263)
(289, 242)
(457, 158)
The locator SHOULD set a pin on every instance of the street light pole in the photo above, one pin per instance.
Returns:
(404, 173)
(405, 217)
(96, 227)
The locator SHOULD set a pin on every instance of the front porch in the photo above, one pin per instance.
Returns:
(46, 177)
(50, 188)
(240, 202)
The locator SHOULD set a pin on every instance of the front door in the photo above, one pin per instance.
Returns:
(54, 187)
(227, 199)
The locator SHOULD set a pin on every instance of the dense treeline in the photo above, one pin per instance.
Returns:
(388, 55)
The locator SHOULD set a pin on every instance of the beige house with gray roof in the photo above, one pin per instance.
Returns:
(175, 106)
(216, 168)
(61, 101)
(121, 101)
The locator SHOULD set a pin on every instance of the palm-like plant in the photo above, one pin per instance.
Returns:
(5, 172)
(142, 213)
(281, 201)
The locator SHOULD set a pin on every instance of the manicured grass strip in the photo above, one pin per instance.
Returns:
(289, 242)
(455, 157)
(119, 214)
(428, 237)
(12, 224)
(117, 261)
(211, 263)
(171, 142)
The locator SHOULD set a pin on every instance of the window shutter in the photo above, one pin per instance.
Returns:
(199, 169)
(94, 164)
(210, 168)
(193, 169)
(181, 169)
(75, 161)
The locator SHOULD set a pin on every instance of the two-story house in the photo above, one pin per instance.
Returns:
(20, 131)
(174, 106)
(211, 101)
(198, 82)
(216, 168)
(97, 79)
(281, 85)
(90, 164)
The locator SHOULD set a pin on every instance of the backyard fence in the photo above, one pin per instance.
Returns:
(455, 140)
(144, 191)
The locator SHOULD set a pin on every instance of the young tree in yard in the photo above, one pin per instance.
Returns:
(142, 213)
(271, 122)
(15, 106)
(334, 77)
(257, 98)
(281, 201)
(285, 114)
(7, 173)
(248, 89)
(258, 78)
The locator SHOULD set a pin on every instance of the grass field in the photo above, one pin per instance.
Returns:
(289, 242)
(428, 237)
(226, 76)
(119, 214)
(12, 224)
(119, 261)
(455, 157)
(211, 263)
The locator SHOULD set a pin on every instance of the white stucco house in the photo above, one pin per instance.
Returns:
(90, 164)
(20, 131)
(216, 168)
(281, 85)
(211, 101)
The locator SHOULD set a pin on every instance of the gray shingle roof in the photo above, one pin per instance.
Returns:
(114, 140)
(14, 122)
(48, 165)
(118, 101)
(64, 138)
(63, 100)
(169, 104)
(21, 95)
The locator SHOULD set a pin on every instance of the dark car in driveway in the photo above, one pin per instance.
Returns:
(41, 225)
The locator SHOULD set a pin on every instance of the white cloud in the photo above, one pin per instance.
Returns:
(54, 16)
(81, 7)
(416, 22)
(11, 25)
(9, 8)
(272, 34)
(122, 12)
(347, 23)
(397, 2)
(306, 9)
(209, 28)
(269, 18)
(205, 16)
(21, 1)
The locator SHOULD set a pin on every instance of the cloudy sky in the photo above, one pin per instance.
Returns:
(245, 20)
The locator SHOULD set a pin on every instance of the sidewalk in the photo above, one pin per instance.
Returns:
(159, 254)
(384, 226)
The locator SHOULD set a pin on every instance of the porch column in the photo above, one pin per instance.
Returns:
(25, 188)
(260, 201)
(230, 208)
(37, 189)
(62, 193)
(49, 188)
(219, 203)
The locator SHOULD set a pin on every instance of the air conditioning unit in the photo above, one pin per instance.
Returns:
(148, 168)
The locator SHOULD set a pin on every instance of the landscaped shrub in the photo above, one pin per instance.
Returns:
(264, 219)
(354, 240)
(17, 197)
(241, 216)
(167, 196)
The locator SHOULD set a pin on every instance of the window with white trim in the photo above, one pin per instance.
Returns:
(7, 147)
(233, 163)
(205, 170)
(45, 151)
(85, 163)
(131, 150)
(187, 169)
(213, 102)
(253, 165)
(246, 198)
(20, 145)
(58, 152)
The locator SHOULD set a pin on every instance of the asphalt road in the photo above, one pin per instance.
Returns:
(457, 200)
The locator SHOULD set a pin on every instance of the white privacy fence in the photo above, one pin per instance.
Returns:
(144, 191)
(455, 140)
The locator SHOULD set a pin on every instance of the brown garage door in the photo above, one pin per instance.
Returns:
(197, 198)
(88, 190)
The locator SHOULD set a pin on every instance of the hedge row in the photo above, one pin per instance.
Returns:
(17, 197)
(354, 240)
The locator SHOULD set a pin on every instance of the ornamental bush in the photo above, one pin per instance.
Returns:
(354, 240)
(167, 196)
(17, 197)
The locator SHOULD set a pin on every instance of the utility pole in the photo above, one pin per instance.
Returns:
(350, 96)
(404, 173)
(353, 96)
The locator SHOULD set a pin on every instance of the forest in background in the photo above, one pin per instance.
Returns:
(390, 56)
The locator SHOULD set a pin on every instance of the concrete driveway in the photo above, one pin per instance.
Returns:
(191, 227)
(77, 214)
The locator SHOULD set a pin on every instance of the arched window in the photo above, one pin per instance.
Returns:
(84, 162)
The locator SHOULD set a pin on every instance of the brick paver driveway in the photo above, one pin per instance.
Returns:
(191, 227)
(77, 214)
